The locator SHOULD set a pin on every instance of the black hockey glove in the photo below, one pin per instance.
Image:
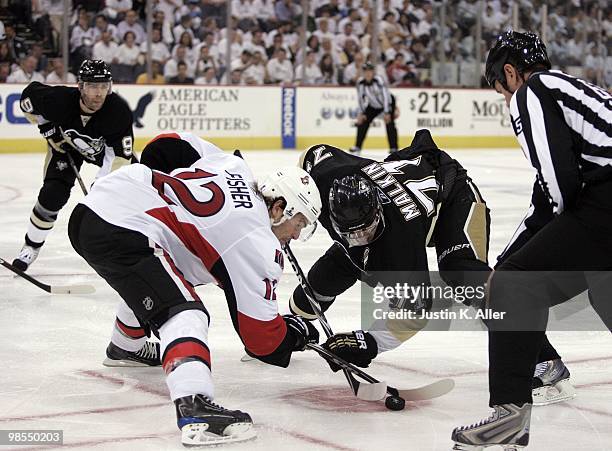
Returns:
(357, 347)
(303, 331)
(53, 135)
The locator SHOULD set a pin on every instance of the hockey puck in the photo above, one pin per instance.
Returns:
(395, 403)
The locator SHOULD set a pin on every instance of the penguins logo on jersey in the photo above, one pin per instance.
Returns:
(87, 146)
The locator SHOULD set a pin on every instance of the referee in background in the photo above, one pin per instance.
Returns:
(374, 98)
(564, 126)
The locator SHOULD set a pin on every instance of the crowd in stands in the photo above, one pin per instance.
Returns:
(189, 39)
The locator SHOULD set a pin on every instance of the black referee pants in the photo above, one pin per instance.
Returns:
(569, 255)
(371, 114)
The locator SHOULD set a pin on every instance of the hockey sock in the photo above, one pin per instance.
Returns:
(128, 334)
(185, 354)
(41, 224)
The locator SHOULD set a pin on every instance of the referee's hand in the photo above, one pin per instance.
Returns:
(387, 118)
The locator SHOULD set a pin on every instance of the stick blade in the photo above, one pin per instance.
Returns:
(73, 289)
(429, 391)
(372, 392)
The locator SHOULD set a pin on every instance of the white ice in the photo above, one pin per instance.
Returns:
(52, 347)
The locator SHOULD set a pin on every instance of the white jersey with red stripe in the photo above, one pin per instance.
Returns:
(212, 227)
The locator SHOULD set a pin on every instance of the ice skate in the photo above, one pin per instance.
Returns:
(551, 383)
(508, 427)
(26, 257)
(355, 150)
(202, 422)
(148, 355)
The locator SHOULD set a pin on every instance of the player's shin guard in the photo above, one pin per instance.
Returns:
(508, 427)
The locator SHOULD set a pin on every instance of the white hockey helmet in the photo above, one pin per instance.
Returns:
(300, 192)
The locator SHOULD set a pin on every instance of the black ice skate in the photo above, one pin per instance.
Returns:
(551, 383)
(202, 422)
(507, 427)
(148, 355)
(26, 257)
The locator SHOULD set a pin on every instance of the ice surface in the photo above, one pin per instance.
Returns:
(51, 349)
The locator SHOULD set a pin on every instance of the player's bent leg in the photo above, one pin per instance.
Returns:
(53, 195)
(187, 363)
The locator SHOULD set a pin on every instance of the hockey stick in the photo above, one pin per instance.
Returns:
(53, 289)
(424, 392)
(76, 172)
(374, 391)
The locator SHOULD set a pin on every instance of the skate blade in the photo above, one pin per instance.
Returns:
(194, 434)
(125, 364)
(464, 447)
(561, 391)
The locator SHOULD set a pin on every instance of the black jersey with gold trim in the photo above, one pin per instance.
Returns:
(97, 137)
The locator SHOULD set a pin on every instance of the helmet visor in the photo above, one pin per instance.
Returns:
(364, 235)
(308, 231)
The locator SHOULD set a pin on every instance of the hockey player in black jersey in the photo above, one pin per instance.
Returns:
(564, 126)
(90, 123)
(382, 216)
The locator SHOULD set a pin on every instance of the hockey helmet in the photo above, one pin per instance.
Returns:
(300, 193)
(355, 210)
(95, 71)
(522, 50)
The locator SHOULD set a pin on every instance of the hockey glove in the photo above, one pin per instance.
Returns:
(303, 331)
(357, 347)
(53, 135)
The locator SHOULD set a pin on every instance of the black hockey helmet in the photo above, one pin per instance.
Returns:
(355, 210)
(522, 50)
(96, 71)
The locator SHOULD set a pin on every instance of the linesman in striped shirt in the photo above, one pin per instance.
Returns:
(374, 98)
(563, 246)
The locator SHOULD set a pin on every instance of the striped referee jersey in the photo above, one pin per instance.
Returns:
(374, 94)
(564, 126)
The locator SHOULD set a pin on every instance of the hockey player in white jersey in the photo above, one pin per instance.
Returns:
(203, 220)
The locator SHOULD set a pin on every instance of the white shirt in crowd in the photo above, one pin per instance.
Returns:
(159, 51)
(127, 55)
(280, 72)
(19, 76)
(53, 78)
(312, 74)
(137, 29)
(111, 28)
(255, 71)
(104, 52)
(171, 69)
(114, 6)
(244, 9)
(80, 37)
